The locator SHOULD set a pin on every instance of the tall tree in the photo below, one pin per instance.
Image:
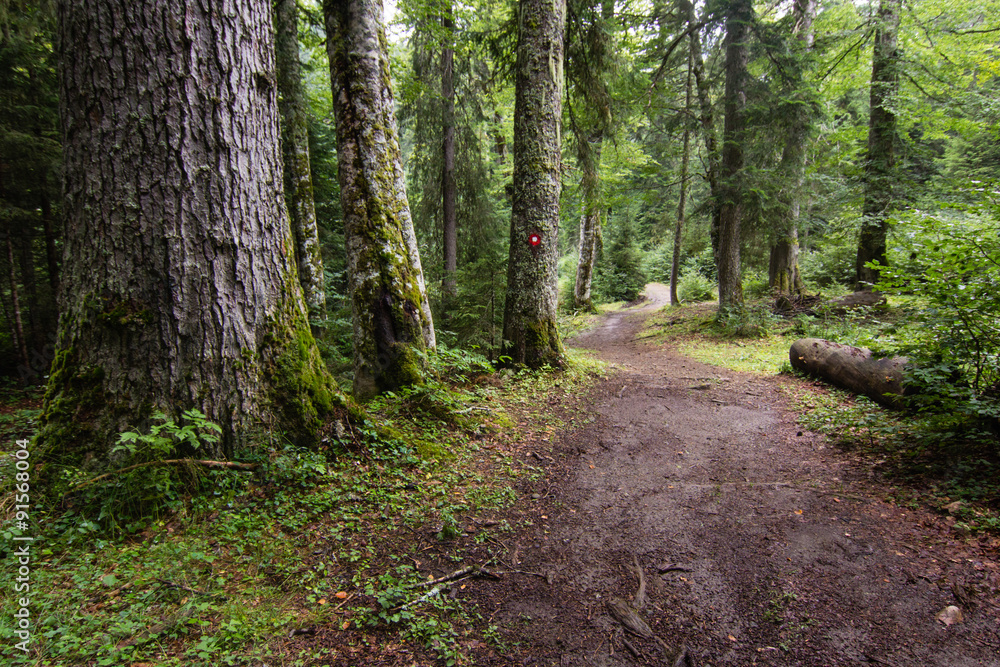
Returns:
(392, 317)
(739, 17)
(295, 149)
(530, 331)
(675, 262)
(179, 286)
(449, 214)
(783, 271)
(589, 64)
(880, 163)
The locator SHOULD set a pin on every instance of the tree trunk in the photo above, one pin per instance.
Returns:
(783, 272)
(530, 332)
(850, 368)
(295, 149)
(880, 164)
(51, 256)
(392, 319)
(675, 264)
(17, 322)
(180, 289)
(590, 219)
(707, 120)
(448, 189)
(738, 23)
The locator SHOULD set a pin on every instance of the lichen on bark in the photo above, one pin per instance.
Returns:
(393, 327)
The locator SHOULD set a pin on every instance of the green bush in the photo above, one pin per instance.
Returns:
(693, 286)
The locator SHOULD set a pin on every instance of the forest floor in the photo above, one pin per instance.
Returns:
(759, 543)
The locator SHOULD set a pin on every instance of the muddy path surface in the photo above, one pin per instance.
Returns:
(759, 544)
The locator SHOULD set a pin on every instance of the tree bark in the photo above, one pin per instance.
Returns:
(180, 289)
(880, 164)
(590, 218)
(448, 188)
(531, 335)
(707, 120)
(675, 263)
(738, 21)
(783, 271)
(851, 368)
(391, 315)
(295, 149)
(17, 322)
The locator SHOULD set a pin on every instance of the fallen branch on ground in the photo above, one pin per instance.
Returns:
(199, 462)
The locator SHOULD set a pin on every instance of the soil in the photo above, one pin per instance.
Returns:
(759, 543)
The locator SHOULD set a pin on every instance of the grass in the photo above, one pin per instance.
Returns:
(251, 568)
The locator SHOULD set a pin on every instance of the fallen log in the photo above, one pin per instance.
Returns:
(851, 368)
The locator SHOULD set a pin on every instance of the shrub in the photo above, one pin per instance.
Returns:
(693, 286)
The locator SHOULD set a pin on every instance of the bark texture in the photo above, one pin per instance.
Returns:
(880, 165)
(675, 262)
(179, 286)
(531, 335)
(590, 220)
(295, 149)
(738, 21)
(783, 270)
(851, 368)
(392, 318)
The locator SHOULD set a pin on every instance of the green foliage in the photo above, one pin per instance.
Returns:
(619, 275)
(955, 341)
(167, 438)
(692, 286)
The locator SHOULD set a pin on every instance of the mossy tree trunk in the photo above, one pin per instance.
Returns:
(392, 318)
(880, 164)
(179, 287)
(738, 21)
(530, 332)
(589, 154)
(295, 149)
(783, 271)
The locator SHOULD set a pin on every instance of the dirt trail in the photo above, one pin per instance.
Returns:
(760, 544)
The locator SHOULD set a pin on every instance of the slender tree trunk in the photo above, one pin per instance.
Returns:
(295, 149)
(392, 319)
(783, 271)
(51, 256)
(731, 210)
(179, 287)
(17, 322)
(530, 332)
(590, 218)
(448, 188)
(880, 165)
(675, 264)
(27, 264)
(707, 119)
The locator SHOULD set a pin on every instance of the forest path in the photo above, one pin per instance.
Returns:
(760, 544)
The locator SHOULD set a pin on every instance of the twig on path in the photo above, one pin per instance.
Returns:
(182, 587)
(464, 573)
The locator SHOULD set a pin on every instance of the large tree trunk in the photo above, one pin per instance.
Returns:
(880, 164)
(783, 271)
(738, 22)
(295, 147)
(530, 332)
(851, 368)
(448, 187)
(392, 319)
(179, 285)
